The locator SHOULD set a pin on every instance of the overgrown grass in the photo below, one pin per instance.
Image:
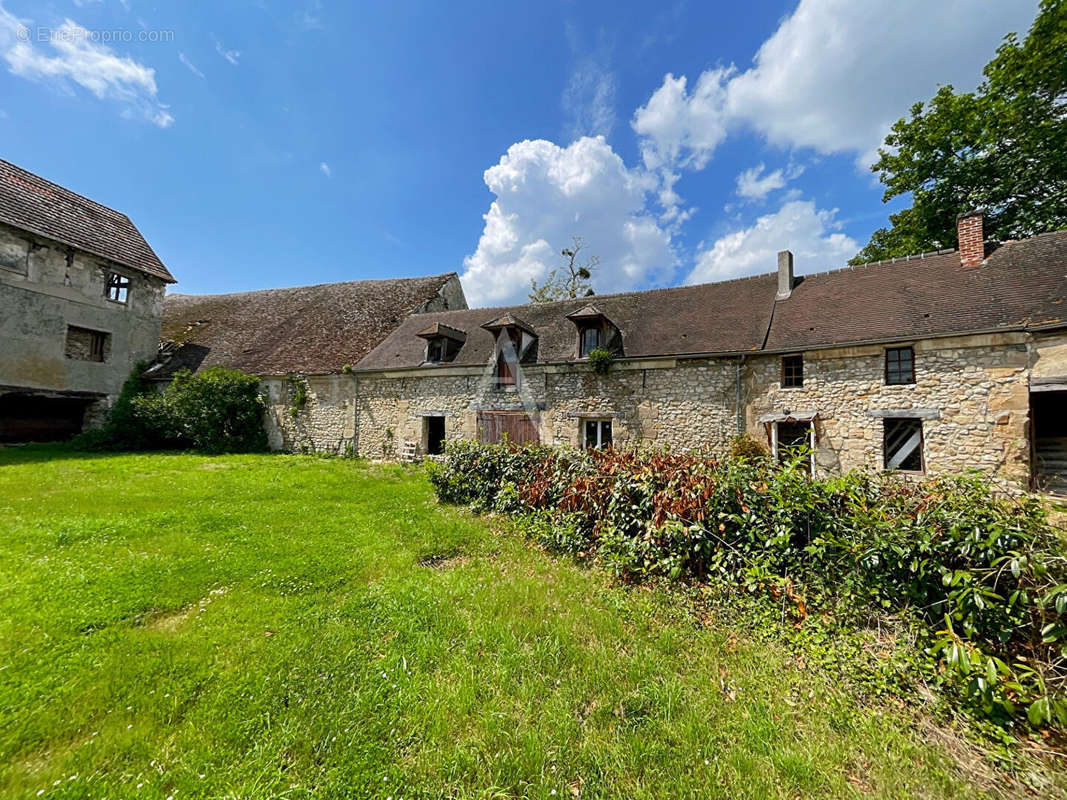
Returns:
(284, 626)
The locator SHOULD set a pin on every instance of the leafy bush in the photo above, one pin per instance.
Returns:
(984, 574)
(601, 360)
(217, 410)
(745, 446)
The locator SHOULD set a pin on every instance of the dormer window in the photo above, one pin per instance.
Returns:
(595, 332)
(515, 342)
(589, 340)
(443, 342)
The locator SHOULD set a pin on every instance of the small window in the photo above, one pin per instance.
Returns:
(435, 350)
(597, 434)
(792, 372)
(899, 366)
(903, 444)
(118, 287)
(590, 341)
(87, 345)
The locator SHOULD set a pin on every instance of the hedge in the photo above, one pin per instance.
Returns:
(983, 572)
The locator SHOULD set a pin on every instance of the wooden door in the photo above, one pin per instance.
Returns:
(518, 426)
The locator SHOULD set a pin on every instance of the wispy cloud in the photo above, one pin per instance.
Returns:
(76, 57)
(324, 168)
(310, 18)
(190, 65)
(233, 56)
(589, 97)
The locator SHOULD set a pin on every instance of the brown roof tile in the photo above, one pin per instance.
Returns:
(1021, 285)
(309, 330)
(34, 204)
(731, 316)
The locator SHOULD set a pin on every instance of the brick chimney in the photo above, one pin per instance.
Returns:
(972, 242)
(785, 274)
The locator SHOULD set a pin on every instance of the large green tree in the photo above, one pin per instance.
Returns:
(1001, 149)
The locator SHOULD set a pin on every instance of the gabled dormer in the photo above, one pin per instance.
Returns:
(516, 343)
(443, 342)
(594, 332)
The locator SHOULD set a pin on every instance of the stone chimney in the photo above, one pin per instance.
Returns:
(972, 242)
(785, 274)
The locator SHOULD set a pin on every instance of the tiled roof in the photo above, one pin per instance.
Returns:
(1021, 285)
(731, 316)
(34, 204)
(309, 330)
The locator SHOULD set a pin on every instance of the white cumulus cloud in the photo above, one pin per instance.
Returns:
(755, 184)
(833, 77)
(813, 235)
(545, 194)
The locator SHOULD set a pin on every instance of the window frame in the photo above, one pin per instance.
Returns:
(583, 351)
(437, 344)
(897, 351)
(602, 424)
(99, 344)
(790, 379)
(894, 422)
(119, 285)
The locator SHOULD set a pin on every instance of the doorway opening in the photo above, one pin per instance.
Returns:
(435, 435)
(1048, 437)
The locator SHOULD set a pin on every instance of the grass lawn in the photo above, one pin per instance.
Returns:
(285, 626)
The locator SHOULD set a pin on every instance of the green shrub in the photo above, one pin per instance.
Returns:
(601, 360)
(217, 410)
(983, 573)
(745, 446)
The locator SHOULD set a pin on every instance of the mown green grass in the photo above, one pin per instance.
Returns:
(261, 626)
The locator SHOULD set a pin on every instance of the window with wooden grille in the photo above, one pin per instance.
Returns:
(903, 444)
(118, 287)
(899, 366)
(792, 372)
(84, 344)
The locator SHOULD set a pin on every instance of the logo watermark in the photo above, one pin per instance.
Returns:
(75, 34)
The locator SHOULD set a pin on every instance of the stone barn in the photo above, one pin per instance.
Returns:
(81, 296)
(303, 343)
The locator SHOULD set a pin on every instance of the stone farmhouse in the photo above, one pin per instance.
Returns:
(940, 362)
(81, 296)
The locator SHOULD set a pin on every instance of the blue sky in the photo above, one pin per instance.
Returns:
(264, 144)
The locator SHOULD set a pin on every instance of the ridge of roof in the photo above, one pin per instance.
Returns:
(32, 203)
(263, 292)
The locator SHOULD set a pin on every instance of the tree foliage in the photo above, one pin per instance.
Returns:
(1000, 150)
(568, 281)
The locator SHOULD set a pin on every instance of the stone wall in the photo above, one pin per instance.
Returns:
(46, 287)
(323, 423)
(971, 392)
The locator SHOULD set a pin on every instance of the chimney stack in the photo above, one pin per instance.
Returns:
(785, 274)
(972, 241)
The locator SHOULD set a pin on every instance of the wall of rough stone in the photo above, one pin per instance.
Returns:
(974, 389)
(972, 392)
(45, 287)
(324, 423)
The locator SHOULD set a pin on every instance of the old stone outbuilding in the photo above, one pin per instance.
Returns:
(303, 342)
(81, 296)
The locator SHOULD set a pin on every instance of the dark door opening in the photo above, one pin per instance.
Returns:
(32, 418)
(435, 435)
(792, 437)
(1048, 425)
